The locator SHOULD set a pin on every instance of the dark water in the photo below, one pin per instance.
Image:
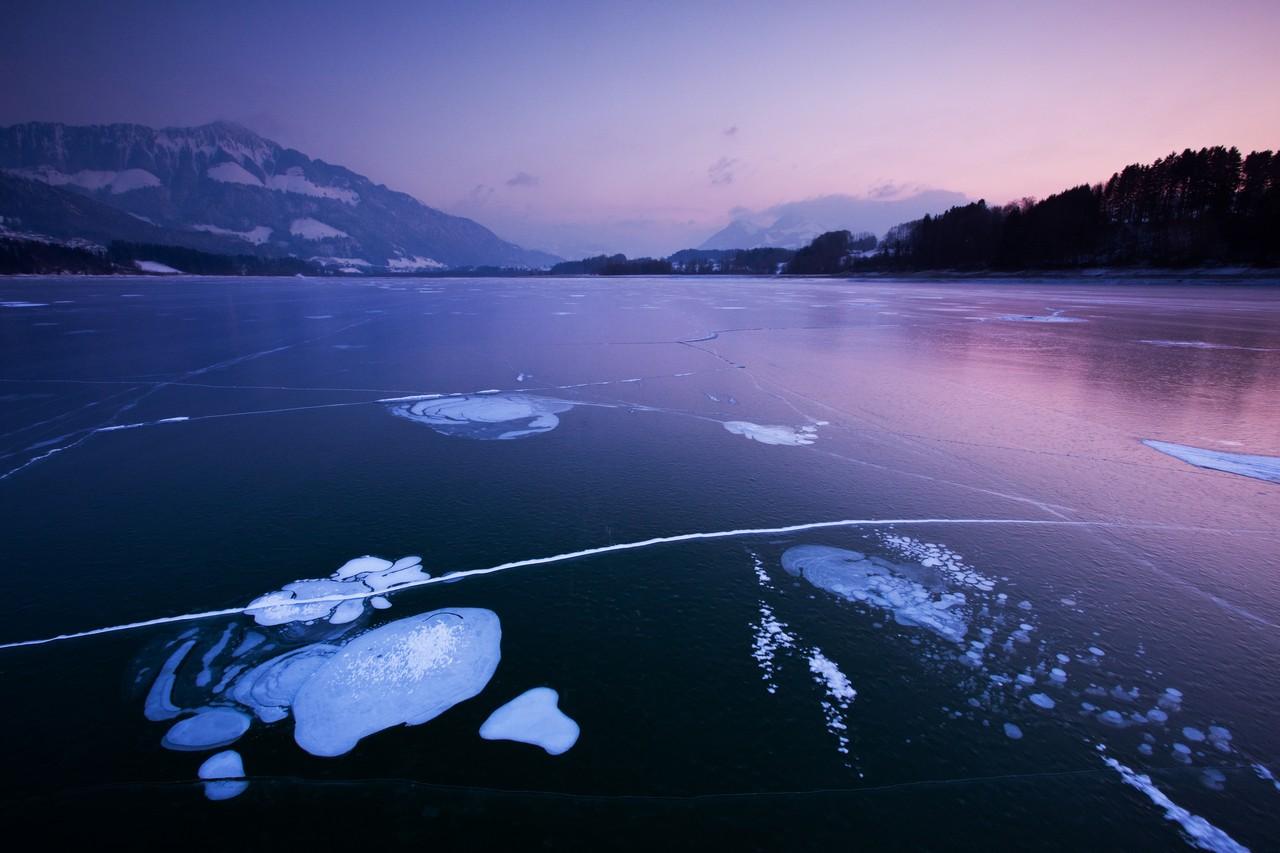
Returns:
(921, 401)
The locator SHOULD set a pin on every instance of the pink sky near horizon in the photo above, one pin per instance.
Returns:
(643, 125)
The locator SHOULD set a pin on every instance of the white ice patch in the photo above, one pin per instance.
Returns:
(1040, 700)
(404, 672)
(224, 775)
(339, 598)
(533, 717)
(1258, 467)
(485, 416)
(784, 435)
(269, 688)
(1012, 732)
(770, 636)
(1198, 831)
(210, 728)
(933, 555)
(914, 594)
(839, 692)
(313, 229)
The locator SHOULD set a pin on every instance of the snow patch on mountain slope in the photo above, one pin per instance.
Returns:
(92, 179)
(414, 264)
(293, 181)
(313, 229)
(232, 173)
(256, 235)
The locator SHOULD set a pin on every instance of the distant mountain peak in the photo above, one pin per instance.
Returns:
(794, 224)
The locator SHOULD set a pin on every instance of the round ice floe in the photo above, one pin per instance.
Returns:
(208, 729)
(785, 435)
(408, 671)
(1192, 734)
(1213, 779)
(485, 416)
(533, 717)
(224, 775)
(913, 593)
(1040, 700)
(1012, 732)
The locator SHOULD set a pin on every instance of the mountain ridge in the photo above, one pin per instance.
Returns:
(222, 179)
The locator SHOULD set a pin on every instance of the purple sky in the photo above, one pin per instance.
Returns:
(640, 126)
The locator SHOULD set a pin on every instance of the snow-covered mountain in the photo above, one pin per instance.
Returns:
(795, 224)
(223, 187)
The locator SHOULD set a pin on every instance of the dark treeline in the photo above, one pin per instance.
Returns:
(764, 261)
(833, 252)
(1211, 206)
(195, 262)
(27, 257)
(613, 265)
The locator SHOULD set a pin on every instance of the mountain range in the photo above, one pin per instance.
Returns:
(795, 224)
(223, 188)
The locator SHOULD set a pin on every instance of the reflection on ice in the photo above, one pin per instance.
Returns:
(533, 717)
(224, 775)
(1259, 467)
(496, 416)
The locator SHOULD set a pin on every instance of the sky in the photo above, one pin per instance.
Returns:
(645, 127)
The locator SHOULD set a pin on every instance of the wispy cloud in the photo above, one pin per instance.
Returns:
(721, 171)
(731, 131)
(523, 179)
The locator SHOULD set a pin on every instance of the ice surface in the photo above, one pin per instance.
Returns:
(913, 593)
(485, 416)
(1198, 831)
(1012, 732)
(208, 729)
(1201, 345)
(1258, 467)
(533, 717)
(1055, 317)
(339, 598)
(784, 435)
(405, 672)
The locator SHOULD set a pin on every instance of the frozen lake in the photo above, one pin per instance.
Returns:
(781, 563)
